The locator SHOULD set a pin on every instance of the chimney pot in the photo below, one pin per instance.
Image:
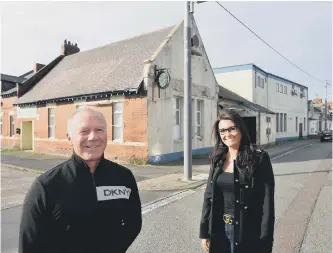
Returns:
(69, 48)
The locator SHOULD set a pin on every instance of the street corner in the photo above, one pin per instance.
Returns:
(14, 185)
(172, 182)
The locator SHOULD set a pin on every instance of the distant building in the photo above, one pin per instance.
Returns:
(8, 119)
(287, 99)
(315, 119)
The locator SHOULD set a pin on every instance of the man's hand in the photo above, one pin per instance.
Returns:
(205, 244)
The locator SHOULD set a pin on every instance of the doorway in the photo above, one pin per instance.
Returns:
(250, 123)
(300, 130)
(26, 143)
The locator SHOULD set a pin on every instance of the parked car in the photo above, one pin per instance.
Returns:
(326, 135)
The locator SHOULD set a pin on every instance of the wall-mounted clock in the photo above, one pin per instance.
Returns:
(163, 79)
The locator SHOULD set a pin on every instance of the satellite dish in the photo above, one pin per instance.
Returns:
(195, 41)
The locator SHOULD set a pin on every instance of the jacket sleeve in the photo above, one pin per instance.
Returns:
(268, 219)
(204, 224)
(33, 225)
(133, 223)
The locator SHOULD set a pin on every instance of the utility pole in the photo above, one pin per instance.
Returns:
(187, 94)
(326, 106)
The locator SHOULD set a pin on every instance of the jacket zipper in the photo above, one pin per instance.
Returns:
(94, 184)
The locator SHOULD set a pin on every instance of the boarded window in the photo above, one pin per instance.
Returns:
(51, 123)
(117, 122)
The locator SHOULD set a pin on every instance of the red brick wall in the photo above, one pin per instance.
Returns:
(135, 120)
(6, 140)
(134, 132)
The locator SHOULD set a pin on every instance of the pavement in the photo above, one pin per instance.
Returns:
(164, 177)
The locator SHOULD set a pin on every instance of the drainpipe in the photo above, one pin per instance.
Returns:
(259, 128)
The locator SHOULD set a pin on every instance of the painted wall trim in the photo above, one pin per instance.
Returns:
(287, 138)
(252, 66)
(177, 155)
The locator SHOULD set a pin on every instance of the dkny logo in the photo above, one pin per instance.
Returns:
(112, 192)
(116, 192)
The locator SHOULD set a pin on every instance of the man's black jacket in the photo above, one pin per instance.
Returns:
(69, 209)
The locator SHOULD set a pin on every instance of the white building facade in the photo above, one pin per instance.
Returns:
(315, 121)
(287, 99)
(166, 106)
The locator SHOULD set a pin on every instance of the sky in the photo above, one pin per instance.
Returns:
(302, 31)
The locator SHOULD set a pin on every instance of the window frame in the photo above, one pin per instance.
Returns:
(118, 126)
(49, 127)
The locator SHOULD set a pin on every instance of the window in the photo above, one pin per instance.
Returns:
(177, 127)
(0, 124)
(117, 122)
(281, 88)
(258, 81)
(296, 124)
(51, 122)
(281, 122)
(304, 123)
(11, 125)
(200, 105)
(285, 122)
(277, 122)
(277, 87)
(285, 89)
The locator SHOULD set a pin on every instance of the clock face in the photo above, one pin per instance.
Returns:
(163, 80)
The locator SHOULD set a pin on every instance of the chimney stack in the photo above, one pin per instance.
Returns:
(69, 48)
(37, 67)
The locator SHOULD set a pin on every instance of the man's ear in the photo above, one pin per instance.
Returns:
(69, 138)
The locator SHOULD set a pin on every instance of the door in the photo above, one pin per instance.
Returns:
(300, 130)
(27, 135)
(250, 123)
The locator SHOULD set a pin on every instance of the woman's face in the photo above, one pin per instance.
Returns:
(229, 133)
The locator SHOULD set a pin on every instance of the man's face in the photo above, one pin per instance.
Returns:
(89, 136)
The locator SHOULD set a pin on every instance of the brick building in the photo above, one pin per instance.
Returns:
(138, 85)
(8, 121)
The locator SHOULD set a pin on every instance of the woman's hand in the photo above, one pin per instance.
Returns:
(205, 244)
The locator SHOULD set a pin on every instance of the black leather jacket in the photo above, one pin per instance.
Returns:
(254, 209)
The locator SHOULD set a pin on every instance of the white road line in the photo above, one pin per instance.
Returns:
(164, 201)
(291, 151)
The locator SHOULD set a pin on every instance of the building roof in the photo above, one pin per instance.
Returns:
(115, 67)
(229, 95)
(9, 92)
(316, 109)
(12, 79)
(256, 68)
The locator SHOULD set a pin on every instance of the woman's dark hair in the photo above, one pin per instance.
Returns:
(246, 153)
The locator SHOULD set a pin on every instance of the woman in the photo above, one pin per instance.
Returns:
(238, 213)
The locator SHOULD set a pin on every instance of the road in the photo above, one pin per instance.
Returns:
(174, 227)
(171, 225)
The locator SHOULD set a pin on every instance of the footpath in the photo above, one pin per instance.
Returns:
(164, 177)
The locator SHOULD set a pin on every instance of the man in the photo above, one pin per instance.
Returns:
(86, 204)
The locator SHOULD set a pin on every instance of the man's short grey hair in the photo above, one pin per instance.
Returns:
(80, 110)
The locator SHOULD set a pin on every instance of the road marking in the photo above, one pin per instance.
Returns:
(291, 151)
(147, 208)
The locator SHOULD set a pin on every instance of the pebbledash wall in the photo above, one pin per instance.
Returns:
(134, 141)
(165, 106)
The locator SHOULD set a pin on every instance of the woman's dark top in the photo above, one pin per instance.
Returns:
(225, 183)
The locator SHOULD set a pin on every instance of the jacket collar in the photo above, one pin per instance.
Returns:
(80, 163)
